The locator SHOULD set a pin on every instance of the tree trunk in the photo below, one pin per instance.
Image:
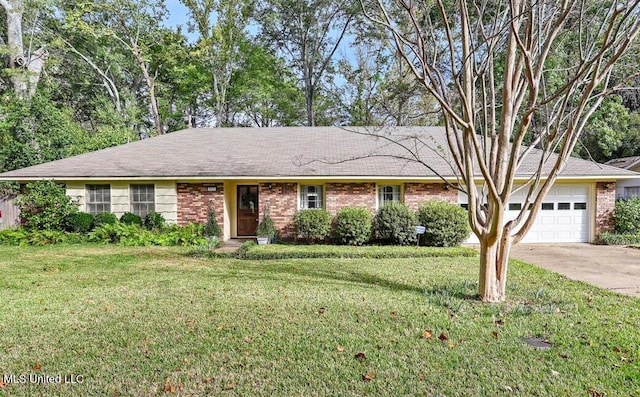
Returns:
(155, 114)
(26, 68)
(494, 260)
(311, 122)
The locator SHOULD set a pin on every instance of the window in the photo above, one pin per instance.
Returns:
(143, 199)
(579, 206)
(465, 206)
(310, 196)
(548, 206)
(98, 198)
(631, 191)
(388, 194)
(564, 206)
(515, 206)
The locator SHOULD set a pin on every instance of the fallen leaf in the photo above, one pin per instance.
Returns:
(617, 349)
(427, 334)
(495, 334)
(37, 367)
(421, 377)
(594, 393)
(247, 339)
(555, 373)
(229, 386)
(360, 356)
(340, 348)
(2, 385)
(443, 337)
(321, 310)
(369, 377)
(168, 386)
(451, 345)
(508, 388)
(499, 322)
(394, 313)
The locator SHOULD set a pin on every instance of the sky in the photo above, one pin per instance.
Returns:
(178, 14)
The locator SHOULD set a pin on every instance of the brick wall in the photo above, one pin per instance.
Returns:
(339, 195)
(416, 193)
(605, 203)
(194, 200)
(281, 200)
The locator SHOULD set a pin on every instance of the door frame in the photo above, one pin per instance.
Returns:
(237, 206)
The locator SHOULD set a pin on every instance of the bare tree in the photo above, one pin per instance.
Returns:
(504, 72)
(25, 67)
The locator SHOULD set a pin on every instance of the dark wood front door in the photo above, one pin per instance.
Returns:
(247, 210)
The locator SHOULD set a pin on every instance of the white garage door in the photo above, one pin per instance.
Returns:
(563, 218)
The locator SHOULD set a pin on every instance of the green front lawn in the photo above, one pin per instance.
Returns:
(154, 321)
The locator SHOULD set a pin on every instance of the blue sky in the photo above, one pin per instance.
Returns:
(178, 15)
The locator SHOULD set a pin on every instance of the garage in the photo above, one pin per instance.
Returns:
(563, 218)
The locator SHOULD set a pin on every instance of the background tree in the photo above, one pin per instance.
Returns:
(499, 70)
(307, 34)
(219, 44)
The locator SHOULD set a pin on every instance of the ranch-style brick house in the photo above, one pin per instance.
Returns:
(243, 173)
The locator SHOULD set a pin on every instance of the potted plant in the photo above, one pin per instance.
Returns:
(266, 230)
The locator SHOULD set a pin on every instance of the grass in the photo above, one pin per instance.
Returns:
(154, 321)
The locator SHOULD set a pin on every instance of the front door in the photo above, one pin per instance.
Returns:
(247, 210)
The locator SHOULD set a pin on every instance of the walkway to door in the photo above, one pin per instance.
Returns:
(615, 268)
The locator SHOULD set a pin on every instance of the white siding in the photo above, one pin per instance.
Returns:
(621, 184)
(166, 200)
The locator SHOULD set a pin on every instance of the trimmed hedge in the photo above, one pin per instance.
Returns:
(154, 221)
(312, 225)
(394, 223)
(352, 226)
(606, 238)
(129, 218)
(104, 218)
(251, 251)
(447, 225)
(79, 222)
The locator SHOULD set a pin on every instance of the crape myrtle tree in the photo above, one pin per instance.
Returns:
(513, 79)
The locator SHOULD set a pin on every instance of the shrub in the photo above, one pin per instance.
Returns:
(191, 234)
(45, 206)
(154, 221)
(267, 228)
(212, 229)
(21, 236)
(129, 218)
(312, 224)
(626, 216)
(79, 222)
(16, 236)
(134, 235)
(394, 223)
(104, 218)
(446, 224)
(352, 226)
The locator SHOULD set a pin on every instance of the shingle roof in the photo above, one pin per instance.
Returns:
(277, 152)
(624, 162)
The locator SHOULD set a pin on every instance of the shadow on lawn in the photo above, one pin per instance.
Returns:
(462, 291)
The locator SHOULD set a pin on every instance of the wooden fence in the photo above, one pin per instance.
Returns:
(9, 213)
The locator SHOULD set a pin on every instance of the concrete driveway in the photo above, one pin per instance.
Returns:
(612, 267)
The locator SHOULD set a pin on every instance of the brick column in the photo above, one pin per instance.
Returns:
(194, 200)
(281, 199)
(605, 204)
